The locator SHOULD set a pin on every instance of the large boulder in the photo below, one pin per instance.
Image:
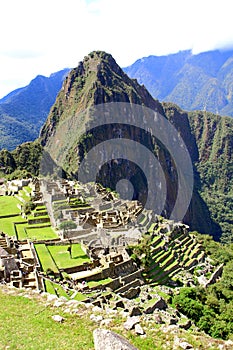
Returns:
(131, 293)
(107, 340)
(158, 303)
(131, 322)
(135, 311)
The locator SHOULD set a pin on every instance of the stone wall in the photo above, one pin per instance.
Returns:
(38, 221)
(79, 268)
(9, 264)
(125, 267)
(75, 233)
(114, 284)
(131, 277)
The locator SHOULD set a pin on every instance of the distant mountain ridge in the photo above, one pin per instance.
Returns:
(194, 82)
(24, 111)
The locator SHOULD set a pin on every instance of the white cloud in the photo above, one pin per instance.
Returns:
(40, 37)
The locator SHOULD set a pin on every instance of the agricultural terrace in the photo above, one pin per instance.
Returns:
(58, 257)
(36, 226)
(8, 205)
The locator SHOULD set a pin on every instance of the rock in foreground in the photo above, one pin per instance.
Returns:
(107, 340)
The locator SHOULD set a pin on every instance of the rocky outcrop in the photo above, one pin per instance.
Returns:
(108, 340)
(215, 275)
(158, 303)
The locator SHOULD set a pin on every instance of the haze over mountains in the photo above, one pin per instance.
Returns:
(23, 111)
(194, 82)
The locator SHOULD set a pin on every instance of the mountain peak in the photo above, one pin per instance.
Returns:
(97, 79)
(98, 56)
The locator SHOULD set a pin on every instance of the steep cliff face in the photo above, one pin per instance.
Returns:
(99, 80)
(214, 138)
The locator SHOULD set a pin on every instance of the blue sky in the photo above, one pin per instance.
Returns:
(41, 37)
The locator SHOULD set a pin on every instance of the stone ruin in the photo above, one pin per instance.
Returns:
(18, 263)
(106, 226)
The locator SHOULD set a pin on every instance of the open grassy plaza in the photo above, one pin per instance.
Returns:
(63, 259)
(8, 205)
(36, 233)
(58, 257)
(7, 224)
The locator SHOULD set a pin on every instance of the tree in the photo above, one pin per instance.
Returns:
(66, 226)
(28, 207)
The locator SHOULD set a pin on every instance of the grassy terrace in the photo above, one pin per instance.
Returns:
(56, 289)
(24, 194)
(151, 228)
(155, 240)
(24, 231)
(45, 258)
(63, 259)
(99, 283)
(41, 233)
(7, 224)
(57, 257)
(40, 208)
(8, 205)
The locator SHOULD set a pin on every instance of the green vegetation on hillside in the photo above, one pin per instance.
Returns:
(23, 162)
(23, 111)
(211, 308)
(214, 138)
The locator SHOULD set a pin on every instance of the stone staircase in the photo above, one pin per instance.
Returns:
(29, 280)
(3, 244)
(172, 253)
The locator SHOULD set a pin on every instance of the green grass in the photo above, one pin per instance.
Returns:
(27, 189)
(161, 244)
(166, 260)
(40, 208)
(24, 196)
(45, 258)
(62, 257)
(155, 239)
(7, 224)
(35, 233)
(26, 324)
(20, 228)
(31, 217)
(99, 283)
(151, 228)
(8, 205)
(41, 233)
(56, 289)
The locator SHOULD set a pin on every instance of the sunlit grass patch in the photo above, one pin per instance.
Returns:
(62, 256)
